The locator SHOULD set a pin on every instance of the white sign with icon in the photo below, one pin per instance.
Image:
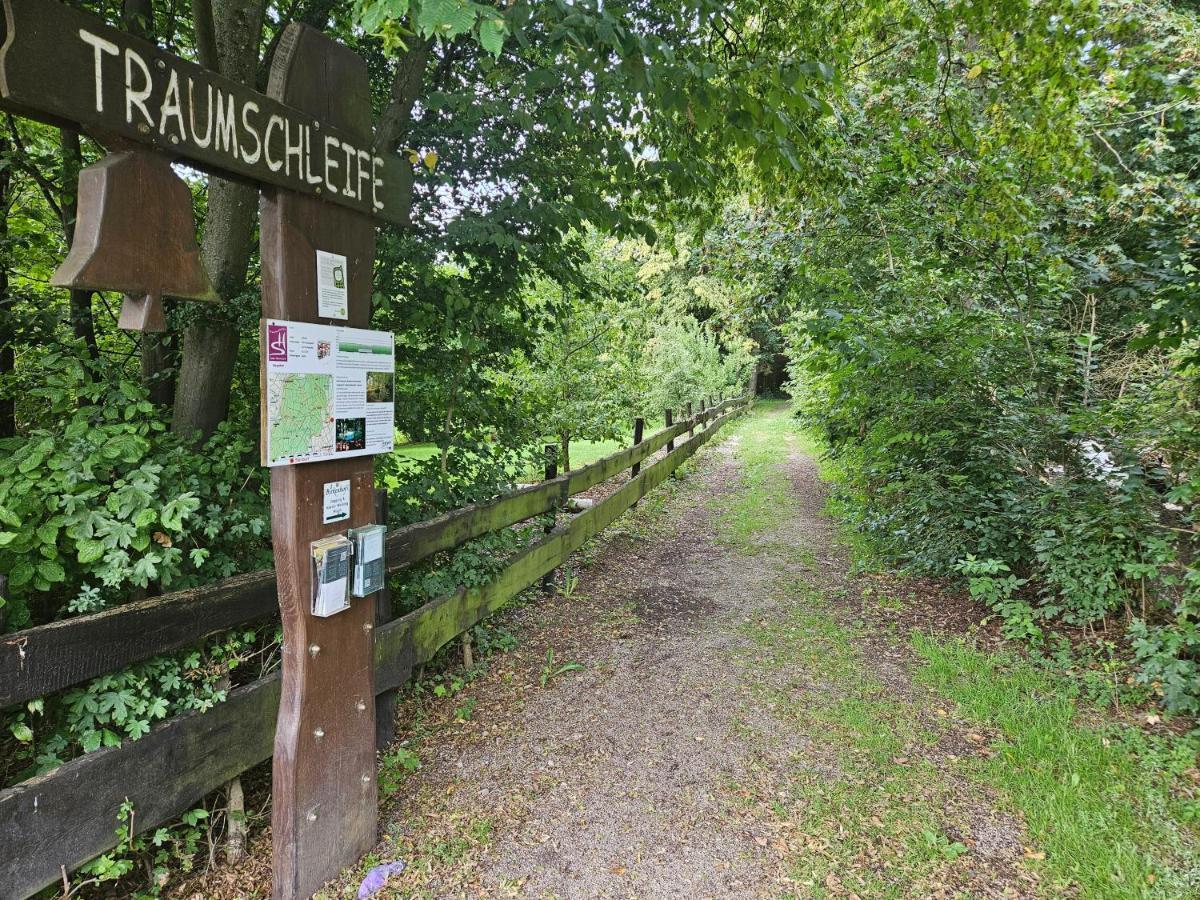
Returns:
(332, 302)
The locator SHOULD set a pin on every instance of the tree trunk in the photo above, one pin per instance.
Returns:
(396, 120)
(564, 442)
(160, 355)
(210, 343)
(83, 326)
(8, 359)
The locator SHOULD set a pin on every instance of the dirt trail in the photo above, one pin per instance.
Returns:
(671, 764)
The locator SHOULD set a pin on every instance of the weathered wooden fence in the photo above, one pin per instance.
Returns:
(67, 816)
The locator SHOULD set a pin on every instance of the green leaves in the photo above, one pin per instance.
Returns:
(492, 32)
(443, 20)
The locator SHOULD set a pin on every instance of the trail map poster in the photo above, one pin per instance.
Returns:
(327, 392)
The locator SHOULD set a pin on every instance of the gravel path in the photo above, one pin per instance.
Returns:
(659, 766)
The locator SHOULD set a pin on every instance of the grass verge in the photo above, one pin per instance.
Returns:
(964, 770)
(1102, 801)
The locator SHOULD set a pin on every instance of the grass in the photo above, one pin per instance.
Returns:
(763, 501)
(1098, 806)
(410, 454)
(875, 816)
(877, 809)
(1102, 808)
(582, 453)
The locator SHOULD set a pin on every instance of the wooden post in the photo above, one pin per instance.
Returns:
(551, 452)
(468, 652)
(385, 703)
(639, 426)
(639, 430)
(692, 429)
(324, 801)
(669, 419)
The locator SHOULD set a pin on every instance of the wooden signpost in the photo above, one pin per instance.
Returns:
(308, 143)
(66, 67)
(324, 800)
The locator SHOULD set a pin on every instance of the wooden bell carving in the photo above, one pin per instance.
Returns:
(135, 234)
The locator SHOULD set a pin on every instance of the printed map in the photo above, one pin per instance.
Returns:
(299, 415)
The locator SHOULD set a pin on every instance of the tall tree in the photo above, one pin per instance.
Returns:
(158, 350)
(83, 324)
(8, 419)
(228, 34)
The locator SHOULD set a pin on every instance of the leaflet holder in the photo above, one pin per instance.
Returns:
(368, 559)
(331, 575)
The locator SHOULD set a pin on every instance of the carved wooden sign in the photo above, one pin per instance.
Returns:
(64, 66)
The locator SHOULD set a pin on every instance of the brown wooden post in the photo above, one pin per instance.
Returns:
(467, 651)
(324, 801)
(385, 703)
(669, 419)
(639, 426)
(551, 452)
(692, 429)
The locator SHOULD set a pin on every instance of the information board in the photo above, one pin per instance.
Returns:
(327, 392)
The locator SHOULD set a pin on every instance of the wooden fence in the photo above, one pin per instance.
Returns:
(67, 816)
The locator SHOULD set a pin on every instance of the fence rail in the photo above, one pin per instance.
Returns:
(48, 658)
(67, 816)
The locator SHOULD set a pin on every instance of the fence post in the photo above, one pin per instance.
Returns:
(669, 418)
(551, 453)
(639, 426)
(385, 703)
(692, 429)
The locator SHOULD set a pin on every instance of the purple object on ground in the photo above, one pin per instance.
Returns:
(377, 878)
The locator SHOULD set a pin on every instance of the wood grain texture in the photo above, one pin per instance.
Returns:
(48, 71)
(146, 251)
(69, 815)
(385, 701)
(324, 808)
(41, 660)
